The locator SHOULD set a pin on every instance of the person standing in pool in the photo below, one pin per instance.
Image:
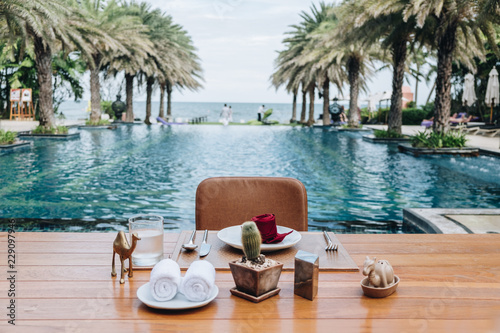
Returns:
(260, 112)
(230, 118)
(225, 115)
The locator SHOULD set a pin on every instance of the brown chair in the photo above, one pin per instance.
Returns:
(226, 201)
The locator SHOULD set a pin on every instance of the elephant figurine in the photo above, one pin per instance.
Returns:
(124, 250)
(380, 273)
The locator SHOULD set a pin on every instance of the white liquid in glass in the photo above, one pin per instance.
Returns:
(149, 249)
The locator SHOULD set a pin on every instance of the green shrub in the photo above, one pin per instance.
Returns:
(410, 116)
(106, 108)
(51, 130)
(100, 122)
(254, 122)
(7, 137)
(429, 108)
(411, 105)
(438, 140)
(414, 116)
(347, 126)
(387, 134)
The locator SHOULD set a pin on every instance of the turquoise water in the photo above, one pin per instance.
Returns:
(104, 177)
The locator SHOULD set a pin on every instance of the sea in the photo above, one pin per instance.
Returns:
(184, 111)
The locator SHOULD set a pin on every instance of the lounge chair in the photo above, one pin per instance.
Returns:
(490, 131)
(471, 130)
(426, 123)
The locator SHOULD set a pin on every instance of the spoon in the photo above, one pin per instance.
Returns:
(190, 246)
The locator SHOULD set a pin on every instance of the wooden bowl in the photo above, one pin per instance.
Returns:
(379, 292)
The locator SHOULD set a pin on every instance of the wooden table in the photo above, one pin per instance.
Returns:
(449, 283)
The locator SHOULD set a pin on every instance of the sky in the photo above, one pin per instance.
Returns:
(237, 41)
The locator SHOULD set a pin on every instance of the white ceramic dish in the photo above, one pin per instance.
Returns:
(179, 302)
(232, 236)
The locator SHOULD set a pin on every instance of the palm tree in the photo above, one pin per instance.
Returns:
(288, 71)
(170, 60)
(181, 68)
(136, 59)
(296, 65)
(116, 31)
(324, 68)
(47, 24)
(459, 27)
(357, 62)
(283, 76)
(372, 23)
(419, 58)
(177, 66)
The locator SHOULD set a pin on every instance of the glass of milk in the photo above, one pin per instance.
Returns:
(149, 229)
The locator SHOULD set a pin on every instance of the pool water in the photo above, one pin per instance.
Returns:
(105, 176)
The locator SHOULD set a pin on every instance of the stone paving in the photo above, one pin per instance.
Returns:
(453, 220)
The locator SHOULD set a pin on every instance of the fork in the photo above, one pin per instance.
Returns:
(330, 246)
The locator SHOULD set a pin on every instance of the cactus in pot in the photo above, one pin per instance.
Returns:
(255, 276)
(251, 240)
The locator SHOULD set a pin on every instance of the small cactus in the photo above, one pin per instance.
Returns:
(250, 238)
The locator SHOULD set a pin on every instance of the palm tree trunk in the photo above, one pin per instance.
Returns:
(95, 90)
(149, 92)
(304, 102)
(326, 101)
(312, 87)
(353, 69)
(398, 62)
(416, 92)
(43, 55)
(162, 100)
(129, 89)
(430, 94)
(442, 102)
(169, 100)
(294, 107)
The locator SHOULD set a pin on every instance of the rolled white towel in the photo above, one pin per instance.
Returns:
(165, 280)
(199, 281)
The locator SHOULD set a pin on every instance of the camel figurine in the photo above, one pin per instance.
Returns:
(380, 273)
(124, 250)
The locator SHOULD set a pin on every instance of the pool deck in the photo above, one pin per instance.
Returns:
(453, 221)
(28, 125)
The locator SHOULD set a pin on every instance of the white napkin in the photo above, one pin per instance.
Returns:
(199, 281)
(165, 280)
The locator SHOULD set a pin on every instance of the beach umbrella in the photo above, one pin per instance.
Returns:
(386, 95)
(492, 91)
(469, 95)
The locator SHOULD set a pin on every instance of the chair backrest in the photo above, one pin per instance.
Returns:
(226, 201)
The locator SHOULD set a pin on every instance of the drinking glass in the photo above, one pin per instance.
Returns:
(149, 229)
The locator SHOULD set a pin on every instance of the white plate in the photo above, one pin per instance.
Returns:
(179, 302)
(232, 236)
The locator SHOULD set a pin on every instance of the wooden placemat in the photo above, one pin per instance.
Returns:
(221, 253)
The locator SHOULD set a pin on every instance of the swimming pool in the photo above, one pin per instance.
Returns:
(105, 176)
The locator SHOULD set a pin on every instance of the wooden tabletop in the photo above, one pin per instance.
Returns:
(449, 283)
